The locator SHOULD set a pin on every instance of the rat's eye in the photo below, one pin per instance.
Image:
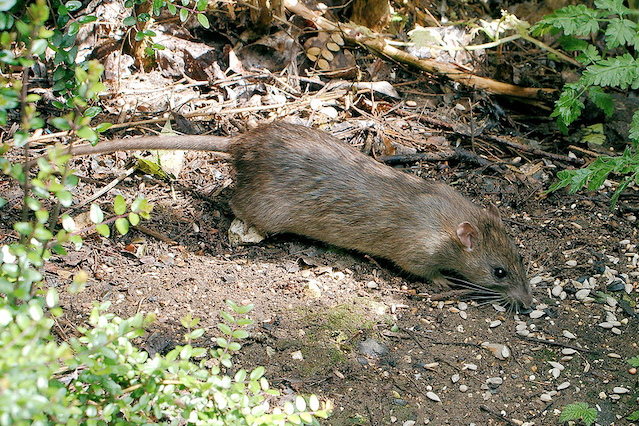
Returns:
(500, 273)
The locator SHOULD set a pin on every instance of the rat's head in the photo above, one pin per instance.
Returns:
(489, 262)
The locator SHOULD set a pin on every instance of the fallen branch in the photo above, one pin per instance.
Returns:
(380, 46)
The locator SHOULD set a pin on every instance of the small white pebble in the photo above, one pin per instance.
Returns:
(611, 301)
(524, 333)
(606, 324)
(463, 314)
(568, 351)
(563, 386)
(411, 103)
(495, 381)
(545, 397)
(568, 335)
(556, 365)
(614, 355)
(463, 388)
(455, 378)
(556, 290)
(462, 306)
(571, 263)
(616, 331)
(471, 367)
(494, 324)
(555, 373)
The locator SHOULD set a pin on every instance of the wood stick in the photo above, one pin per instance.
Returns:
(380, 46)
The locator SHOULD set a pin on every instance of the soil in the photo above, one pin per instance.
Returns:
(360, 332)
(353, 329)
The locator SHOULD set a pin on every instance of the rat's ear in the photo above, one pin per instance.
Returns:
(492, 210)
(467, 235)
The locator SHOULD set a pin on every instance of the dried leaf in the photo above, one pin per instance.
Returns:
(326, 54)
(337, 38)
(323, 65)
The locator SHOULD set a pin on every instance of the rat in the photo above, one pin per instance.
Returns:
(296, 179)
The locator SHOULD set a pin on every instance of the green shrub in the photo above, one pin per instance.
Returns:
(99, 377)
(614, 67)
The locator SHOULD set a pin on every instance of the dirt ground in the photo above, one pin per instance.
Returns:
(355, 329)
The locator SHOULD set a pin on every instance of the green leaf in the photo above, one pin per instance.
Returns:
(577, 20)
(184, 14)
(612, 6)
(172, 8)
(227, 317)
(224, 328)
(102, 127)
(95, 214)
(245, 309)
(119, 205)
(68, 223)
(73, 28)
(92, 111)
(634, 361)
(569, 105)
(88, 133)
(38, 47)
(122, 225)
(134, 218)
(61, 123)
(573, 411)
(65, 197)
(103, 230)
(620, 71)
(6, 5)
(594, 134)
(634, 129)
(129, 21)
(240, 334)
(620, 32)
(602, 99)
(87, 19)
(257, 373)
(203, 20)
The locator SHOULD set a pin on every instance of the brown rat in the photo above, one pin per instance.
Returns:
(291, 178)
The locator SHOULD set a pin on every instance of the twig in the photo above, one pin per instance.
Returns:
(553, 343)
(497, 415)
(104, 190)
(535, 151)
(454, 73)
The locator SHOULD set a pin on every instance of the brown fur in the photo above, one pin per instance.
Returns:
(296, 179)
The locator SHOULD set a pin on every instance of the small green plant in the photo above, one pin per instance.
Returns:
(594, 175)
(634, 416)
(578, 410)
(615, 67)
(98, 377)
